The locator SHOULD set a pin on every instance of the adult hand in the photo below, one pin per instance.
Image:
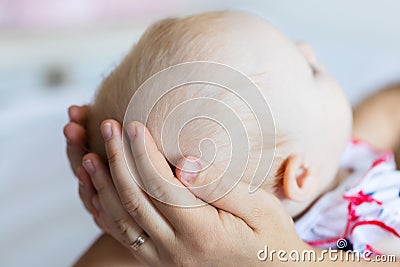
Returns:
(228, 233)
(75, 134)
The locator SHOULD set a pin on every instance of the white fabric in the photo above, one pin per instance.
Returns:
(367, 203)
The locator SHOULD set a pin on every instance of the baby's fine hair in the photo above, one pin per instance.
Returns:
(166, 43)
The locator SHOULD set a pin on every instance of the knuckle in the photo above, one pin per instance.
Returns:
(133, 205)
(100, 187)
(158, 186)
(158, 192)
(122, 227)
(113, 155)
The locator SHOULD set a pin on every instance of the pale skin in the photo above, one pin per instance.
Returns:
(107, 250)
(313, 117)
(369, 115)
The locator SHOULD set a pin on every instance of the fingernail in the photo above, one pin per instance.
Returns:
(96, 203)
(189, 170)
(106, 131)
(131, 129)
(89, 167)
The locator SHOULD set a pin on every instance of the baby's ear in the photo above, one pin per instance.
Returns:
(298, 182)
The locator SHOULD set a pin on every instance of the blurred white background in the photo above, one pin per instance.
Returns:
(55, 53)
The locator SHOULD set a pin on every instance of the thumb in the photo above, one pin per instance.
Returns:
(255, 208)
(203, 180)
(187, 171)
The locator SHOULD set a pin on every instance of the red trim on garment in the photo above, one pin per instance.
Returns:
(355, 200)
(370, 248)
(361, 198)
(378, 161)
(376, 223)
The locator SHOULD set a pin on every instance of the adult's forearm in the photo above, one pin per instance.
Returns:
(377, 119)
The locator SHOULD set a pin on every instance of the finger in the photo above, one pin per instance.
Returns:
(109, 210)
(102, 182)
(147, 251)
(76, 144)
(75, 134)
(134, 200)
(252, 208)
(98, 216)
(86, 189)
(160, 183)
(78, 114)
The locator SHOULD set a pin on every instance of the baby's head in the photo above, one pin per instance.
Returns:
(312, 117)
